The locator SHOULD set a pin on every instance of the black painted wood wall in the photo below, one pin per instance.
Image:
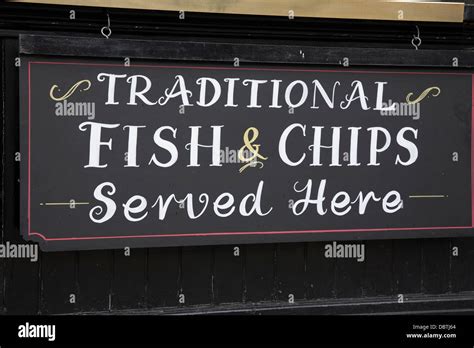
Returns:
(212, 278)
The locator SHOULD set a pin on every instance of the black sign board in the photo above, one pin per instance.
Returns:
(190, 153)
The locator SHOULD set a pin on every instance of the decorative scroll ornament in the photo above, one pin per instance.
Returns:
(435, 91)
(71, 90)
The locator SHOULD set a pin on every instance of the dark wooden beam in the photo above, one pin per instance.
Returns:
(246, 53)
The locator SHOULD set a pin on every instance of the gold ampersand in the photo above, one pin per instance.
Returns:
(70, 91)
(253, 148)
(422, 96)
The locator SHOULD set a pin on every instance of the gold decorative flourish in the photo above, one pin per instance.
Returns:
(435, 92)
(70, 91)
(253, 148)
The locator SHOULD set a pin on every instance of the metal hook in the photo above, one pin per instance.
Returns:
(416, 41)
(106, 31)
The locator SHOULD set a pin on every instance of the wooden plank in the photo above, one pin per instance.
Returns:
(59, 291)
(2, 215)
(2, 283)
(228, 273)
(349, 271)
(22, 275)
(462, 264)
(22, 288)
(94, 276)
(321, 272)
(407, 266)
(246, 52)
(290, 274)
(163, 276)
(196, 275)
(435, 265)
(260, 272)
(129, 279)
(377, 276)
(349, 9)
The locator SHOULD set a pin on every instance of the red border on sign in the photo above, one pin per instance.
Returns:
(208, 234)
